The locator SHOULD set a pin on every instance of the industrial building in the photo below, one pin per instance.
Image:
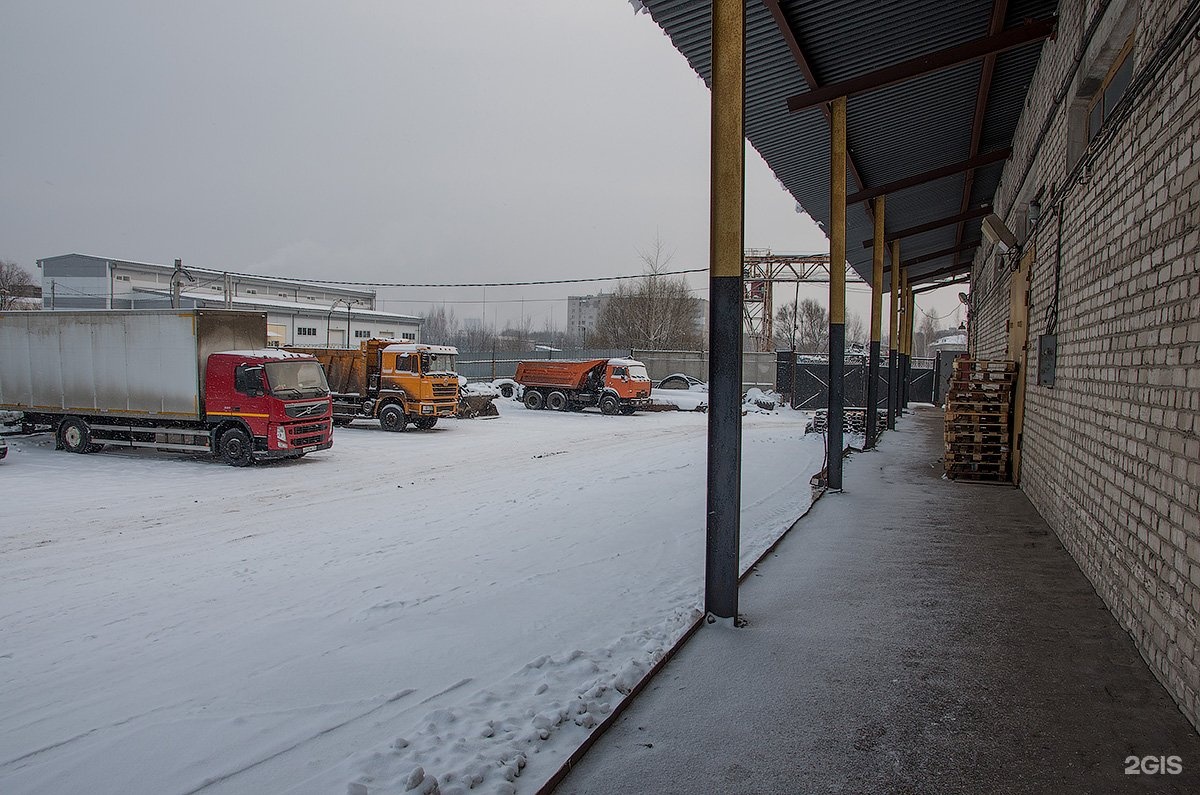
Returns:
(298, 312)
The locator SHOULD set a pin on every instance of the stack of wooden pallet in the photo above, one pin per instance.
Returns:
(853, 420)
(978, 407)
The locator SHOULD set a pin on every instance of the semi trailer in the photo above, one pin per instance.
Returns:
(392, 381)
(198, 380)
(613, 385)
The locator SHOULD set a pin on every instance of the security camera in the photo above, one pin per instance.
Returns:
(998, 234)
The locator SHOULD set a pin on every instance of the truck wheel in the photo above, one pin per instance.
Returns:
(425, 423)
(627, 410)
(75, 436)
(609, 405)
(534, 399)
(235, 448)
(556, 401)
(391, 418)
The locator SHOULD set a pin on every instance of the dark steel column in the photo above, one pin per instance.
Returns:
(724, 499)
(893, 339)
(837, 290)
(876, 329)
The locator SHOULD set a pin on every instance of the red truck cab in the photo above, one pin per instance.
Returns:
(266, 404)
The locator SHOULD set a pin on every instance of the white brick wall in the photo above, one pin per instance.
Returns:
(1111, 454)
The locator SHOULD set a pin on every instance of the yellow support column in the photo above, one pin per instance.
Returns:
(837, 291)
(725, 320)
(894, 340)
(876, 327)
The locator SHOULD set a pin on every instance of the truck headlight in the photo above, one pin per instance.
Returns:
(428, 409)
(281, 435)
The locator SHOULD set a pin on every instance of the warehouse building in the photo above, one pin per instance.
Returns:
(298, 312)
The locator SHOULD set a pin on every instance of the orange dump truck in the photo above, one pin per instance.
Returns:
(392, 381)
(614, 385)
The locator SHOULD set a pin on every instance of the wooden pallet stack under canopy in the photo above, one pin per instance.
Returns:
(978, 412)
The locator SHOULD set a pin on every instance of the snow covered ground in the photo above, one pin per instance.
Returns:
(456, 607)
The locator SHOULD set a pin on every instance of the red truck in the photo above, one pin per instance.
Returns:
(197, 380)
(614, 385)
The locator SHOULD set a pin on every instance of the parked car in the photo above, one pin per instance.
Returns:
(682, 381)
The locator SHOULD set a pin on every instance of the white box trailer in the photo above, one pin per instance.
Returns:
(194, 379)
(120, 363)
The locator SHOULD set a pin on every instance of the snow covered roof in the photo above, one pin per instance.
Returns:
(283, 304)
(626, 362)
(268, 353)
(411, 347)
(952, 340)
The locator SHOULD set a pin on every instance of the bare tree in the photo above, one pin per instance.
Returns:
(476, 335)
(16, 286)
(924, 335)
(786, 328)
(517, 336)
(656, 312)
(441, 326)
(856, 329)
(812, 327)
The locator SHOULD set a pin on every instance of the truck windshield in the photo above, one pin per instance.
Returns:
(638, 371)
(296, 379)
(437, 363)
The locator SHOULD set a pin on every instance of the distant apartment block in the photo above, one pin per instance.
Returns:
(583, 313)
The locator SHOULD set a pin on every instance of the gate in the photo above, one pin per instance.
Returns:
(810, 376)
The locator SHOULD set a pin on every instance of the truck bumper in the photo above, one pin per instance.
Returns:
(261, 455)
(441, 408)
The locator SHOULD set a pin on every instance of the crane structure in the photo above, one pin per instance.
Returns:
(762, 269)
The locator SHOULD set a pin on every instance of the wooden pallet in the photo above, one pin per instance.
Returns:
(963, 365)
(976, 436)
(989, 477)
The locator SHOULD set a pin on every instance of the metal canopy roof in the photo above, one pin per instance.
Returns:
(920, 124)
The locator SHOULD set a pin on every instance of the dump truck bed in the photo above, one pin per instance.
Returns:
(562, 374)
(345, 368)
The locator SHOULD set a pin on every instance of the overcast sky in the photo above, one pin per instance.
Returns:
(396, 141)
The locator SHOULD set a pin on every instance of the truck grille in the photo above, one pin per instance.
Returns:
(306, 409)
(445, 390)
(304, 435)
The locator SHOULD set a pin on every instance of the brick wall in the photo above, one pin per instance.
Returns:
(1111, 453)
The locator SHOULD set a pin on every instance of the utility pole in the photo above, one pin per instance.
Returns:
(177, 283)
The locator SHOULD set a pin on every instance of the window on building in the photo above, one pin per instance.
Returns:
(362, 334)
(306, 331)
(408, 336)
(387, 335)
(282, 295)
(1111, 90)
(252, 292)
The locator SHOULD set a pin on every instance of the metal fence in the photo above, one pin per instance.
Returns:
(805, 378)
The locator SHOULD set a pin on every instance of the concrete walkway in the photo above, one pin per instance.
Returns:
(912, 635)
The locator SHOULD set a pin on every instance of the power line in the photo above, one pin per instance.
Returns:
(471, 284)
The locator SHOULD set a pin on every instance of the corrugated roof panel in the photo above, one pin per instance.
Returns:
(892, 132)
